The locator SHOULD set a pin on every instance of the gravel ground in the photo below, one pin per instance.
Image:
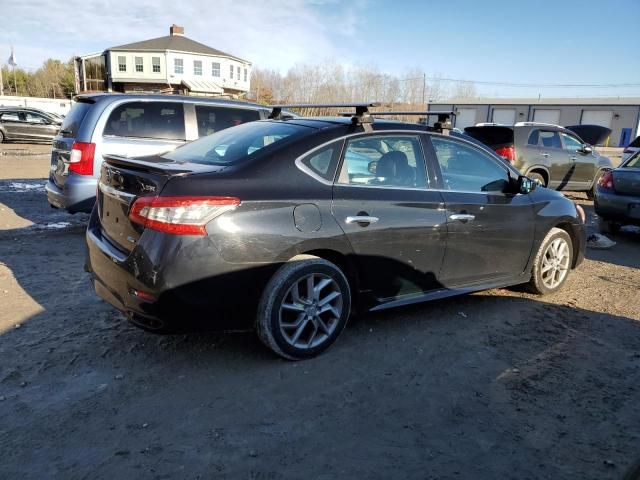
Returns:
(499, 384)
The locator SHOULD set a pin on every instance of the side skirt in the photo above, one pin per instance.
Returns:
(451, 292)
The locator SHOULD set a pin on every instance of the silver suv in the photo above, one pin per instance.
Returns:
(130, 126)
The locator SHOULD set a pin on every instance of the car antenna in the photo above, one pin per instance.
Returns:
(362, 115)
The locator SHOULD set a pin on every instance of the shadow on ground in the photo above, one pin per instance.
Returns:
(485, 386)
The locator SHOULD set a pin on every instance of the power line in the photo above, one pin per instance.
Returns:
(526, 85)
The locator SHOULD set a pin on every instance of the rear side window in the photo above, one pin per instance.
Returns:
(72, 122)
(234, 145)
(467, 169)
(549, 139)
(634, 162)
(147, 120)
(213, 119)
(9, 117)
(323, 162)
(378, 160)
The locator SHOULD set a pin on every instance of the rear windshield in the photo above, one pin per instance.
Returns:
(235, 144)
(73, 120)
(492, 136)
(633, 162)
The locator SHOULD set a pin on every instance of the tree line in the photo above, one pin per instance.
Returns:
(303, 83)
(54, 79)
(334, 83)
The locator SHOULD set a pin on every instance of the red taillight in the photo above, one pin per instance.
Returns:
(509, 153)
(606, 180)
(81, 158)
(180, 215)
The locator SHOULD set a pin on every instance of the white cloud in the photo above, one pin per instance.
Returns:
(271, 33)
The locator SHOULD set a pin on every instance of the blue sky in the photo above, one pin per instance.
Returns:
(549, 42)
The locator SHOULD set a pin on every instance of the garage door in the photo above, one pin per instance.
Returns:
(597, 117)
(546, 115)
(505, 116)
(465, 117)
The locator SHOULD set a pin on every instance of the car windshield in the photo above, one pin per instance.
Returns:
(229, 146)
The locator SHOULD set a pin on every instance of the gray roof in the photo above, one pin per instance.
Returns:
(541, 101)
(178, 43)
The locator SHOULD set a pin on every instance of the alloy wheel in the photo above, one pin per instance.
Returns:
(310, 311)
(555, 263)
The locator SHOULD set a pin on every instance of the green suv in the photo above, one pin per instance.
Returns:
(554, 156)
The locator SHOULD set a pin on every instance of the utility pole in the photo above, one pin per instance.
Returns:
(1, 83)
(424, 88)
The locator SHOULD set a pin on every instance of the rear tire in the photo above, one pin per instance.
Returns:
(606, 226)
(1, 137)
(304, 308)
(552, 263)
(538, 177)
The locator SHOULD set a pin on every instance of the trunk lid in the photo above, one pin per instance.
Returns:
(122, 180)
(63, 141)
(626, 181)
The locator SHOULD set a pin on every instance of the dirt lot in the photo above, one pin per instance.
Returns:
(495, 385)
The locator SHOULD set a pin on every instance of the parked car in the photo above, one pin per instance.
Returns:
(129, 125)
(268, 225)
(27, 125)
(554, 156)
(632, 148)
(617, 198)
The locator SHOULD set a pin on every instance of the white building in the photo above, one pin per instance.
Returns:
(173, 63)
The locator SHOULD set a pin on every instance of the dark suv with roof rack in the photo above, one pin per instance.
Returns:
(554, 156)
(276, 225)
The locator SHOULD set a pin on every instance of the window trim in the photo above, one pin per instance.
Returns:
(154, 65)
(120, 65)
(214, 69)
(231, 72)
(136, 64)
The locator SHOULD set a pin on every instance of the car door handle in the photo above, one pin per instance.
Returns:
(545, 155)
(462, 217)
(361, 219)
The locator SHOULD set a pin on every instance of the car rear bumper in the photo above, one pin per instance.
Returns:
(617, 208)
(77, 195)
(183, 281)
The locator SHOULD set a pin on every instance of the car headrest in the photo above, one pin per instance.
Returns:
(392, 164)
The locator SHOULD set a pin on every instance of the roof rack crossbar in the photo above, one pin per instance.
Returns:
(362, 114)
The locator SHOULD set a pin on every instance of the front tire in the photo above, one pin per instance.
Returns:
(304, 308)
(552, 263)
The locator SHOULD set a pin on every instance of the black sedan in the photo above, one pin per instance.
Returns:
(278, 225)
(617, 196)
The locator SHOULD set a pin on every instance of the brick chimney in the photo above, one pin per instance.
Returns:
(176, 30)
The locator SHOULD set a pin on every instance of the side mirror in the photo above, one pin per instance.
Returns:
(586, 149)
(526, 185)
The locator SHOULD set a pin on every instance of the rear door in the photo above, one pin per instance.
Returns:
(489, 232)
(546, 147)
(394, 223)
